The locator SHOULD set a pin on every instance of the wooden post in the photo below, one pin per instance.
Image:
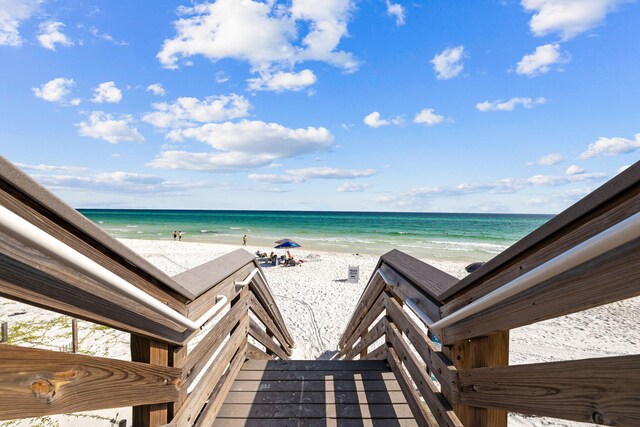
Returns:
(74, 335)
(177, 357)
(155, 353)
(488, 351)
(4, 337)
(269, 352)
(364, 351)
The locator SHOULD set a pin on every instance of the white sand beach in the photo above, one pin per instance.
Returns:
(317, 302)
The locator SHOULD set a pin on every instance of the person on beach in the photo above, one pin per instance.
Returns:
(175, 234)
(179, 236)
(244, 240)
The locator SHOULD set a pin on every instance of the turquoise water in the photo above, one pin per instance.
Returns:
(463, 237)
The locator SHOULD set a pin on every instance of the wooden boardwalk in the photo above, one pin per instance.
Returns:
(315, 393)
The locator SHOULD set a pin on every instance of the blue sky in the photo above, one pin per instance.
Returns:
(375, 105)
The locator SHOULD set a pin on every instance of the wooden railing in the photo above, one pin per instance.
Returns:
(466, 379)
(177, 376)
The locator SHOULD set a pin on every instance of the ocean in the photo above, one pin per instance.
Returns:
(440, 236)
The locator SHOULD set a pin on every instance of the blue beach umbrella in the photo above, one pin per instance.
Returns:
(287, 244)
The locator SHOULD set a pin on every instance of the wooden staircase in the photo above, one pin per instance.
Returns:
(315, 393)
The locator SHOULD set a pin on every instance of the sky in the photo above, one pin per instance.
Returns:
(500, 106)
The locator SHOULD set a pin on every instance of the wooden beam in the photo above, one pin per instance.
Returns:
(272, 328)
(365, 341)
(157, 354)
(604, 390)
(74, 335)
(262, 293)
(438, 405)
(420, 410)
(588, 285)
(35, 383)
(488, 351)
(4, 332)
(254, 353)
(264, 339)
(376, 309)
(369, 296)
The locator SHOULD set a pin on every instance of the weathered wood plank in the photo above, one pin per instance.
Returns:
(198, 280)
(35, 383)
(155, 353)
(369, 338)
(263, 294)
(200, 355)
(315, 365)
(438, 405)
(309, 410)
(312, 375)
(388, 385)
(193, 405)
(613, 276)
(379, 353)
(369, 296)
(429, 279)
(28, 199)
(211, 410)
(487, 351)
(264, 339)
(315, 422)
(226, 287)
(436, 361)
(607, 205)
(30, 277)
(304, 397)
(405, 290)
(254, 353)
(603, 390)
(418, 407)
(272, 328)
(376, 309)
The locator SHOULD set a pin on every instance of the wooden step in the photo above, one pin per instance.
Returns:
(315, 393)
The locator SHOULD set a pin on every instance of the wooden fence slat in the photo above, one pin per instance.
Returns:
(272, 328)
(192, 406)
(254, 353)
(262, 293)
(210, 412)
(376, 309)
(35, 383)
(585, 286)
(374, 334)
(200, 355)
(264, 339)
(603, 390)
(436, 361)
(419, 408)
(440, 408)
(379, 353)
(369, 296)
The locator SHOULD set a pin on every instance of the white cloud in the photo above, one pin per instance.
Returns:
(221, 77)
(276, 179)
(270, 36)
(107, 92)
(548, 160)
(75, 101)
(54, 90)
(101, 125)
(509, 105)
(156, 89)
(51, 168)
(373, 120)
(331, 173)
(622, 169)
(12, 14)
(553, 180)
(428, 117)
(187, 111)
(540, 61)
(448, 64)
(352, 187)
(397, 11)
(567, 17)
(49, 35)
(108, 37)
(611, 147)
(120, 182)
(282, 81)
(244, 145)
(295, 176)
(574, 170)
